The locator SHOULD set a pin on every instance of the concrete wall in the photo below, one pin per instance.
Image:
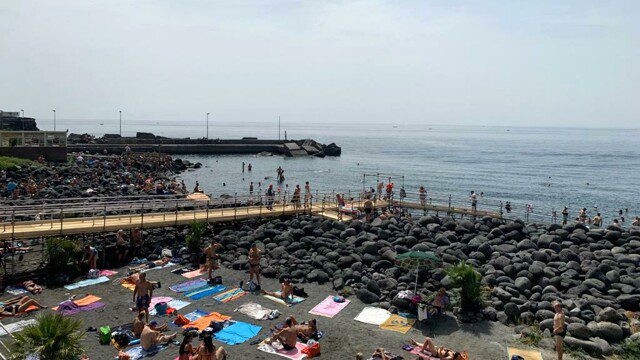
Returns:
(49, 153)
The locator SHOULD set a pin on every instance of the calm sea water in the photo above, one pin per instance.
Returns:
(584, 167)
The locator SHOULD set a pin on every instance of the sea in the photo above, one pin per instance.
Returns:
(541, 168)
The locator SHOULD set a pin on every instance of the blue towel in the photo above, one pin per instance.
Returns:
(86, 282)
(205, 291)
(188, 285)
(195, 315)
(237, 333)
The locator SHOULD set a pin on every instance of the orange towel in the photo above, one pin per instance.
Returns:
(129, 284)
(194, 273)
(89, 299)
(203, 322)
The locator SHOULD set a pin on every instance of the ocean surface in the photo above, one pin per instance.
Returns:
(546, 167)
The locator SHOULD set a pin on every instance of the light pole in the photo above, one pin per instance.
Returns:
(278, 127)
(120, 111)
(207, 126)
(54, 119)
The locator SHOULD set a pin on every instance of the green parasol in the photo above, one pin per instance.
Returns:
(417, 260)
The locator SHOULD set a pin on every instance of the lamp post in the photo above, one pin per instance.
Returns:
(120, 111)
(54, 119)
(207, 126)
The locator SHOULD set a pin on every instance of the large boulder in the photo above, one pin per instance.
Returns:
(367, 296)
(606, 330)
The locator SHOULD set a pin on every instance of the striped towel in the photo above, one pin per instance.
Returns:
(204, 291)
(229, 295)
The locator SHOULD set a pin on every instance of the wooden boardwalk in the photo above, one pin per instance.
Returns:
(80, 225)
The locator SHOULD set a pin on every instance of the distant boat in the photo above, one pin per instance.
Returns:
(101, 124)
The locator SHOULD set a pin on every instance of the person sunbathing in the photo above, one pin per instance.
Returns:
(379, 354)
(305, 330)
(286, 291)
(17, 305)
(31, 287)
(139, 324)
(287, 337)
(151, 336)
(429, 347)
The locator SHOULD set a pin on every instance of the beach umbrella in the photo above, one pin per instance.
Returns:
(418, 260)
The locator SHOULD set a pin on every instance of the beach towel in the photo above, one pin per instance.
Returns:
(173, 304)
(28, 310)
(328, 307)
(181, 270)
(128, 284)
(426, 356)
(188, 285)
(295, 354)
(398, 323)
(373, 315)
(204, 291)
(137, 352)
(195, 315)
(292, 301)
(526, 354)
(106, 272)
(158, 299)
(203, 322)
(230, 295)
(254, 311)
(16, 326)
(237, 333)
(72, 307)
(86, 282)
(159, 267)
(16, 290)
(194, 273)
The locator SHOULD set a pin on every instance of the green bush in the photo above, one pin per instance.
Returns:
(7, 162)
(630, 350)
(466, 278)
(52, 337)
(61, 256)
(193, 240)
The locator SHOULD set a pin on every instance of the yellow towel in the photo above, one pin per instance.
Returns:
(398, 323)
(526, 354)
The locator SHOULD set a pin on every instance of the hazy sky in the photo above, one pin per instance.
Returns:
(558, 63)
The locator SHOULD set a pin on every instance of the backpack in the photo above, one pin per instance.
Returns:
(93, 274)
(312, 351)
(299, 292)
(104, 335)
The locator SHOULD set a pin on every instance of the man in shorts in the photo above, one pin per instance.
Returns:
(559, 329)
(142, 294)
(254, 263)
(212, 258)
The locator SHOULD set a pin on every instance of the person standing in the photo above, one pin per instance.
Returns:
(559, 328)
(270, 195)
(243, 167)
(142, 295)
(251, 188)
(212, 258)
(249, 167)
(597, 221)
(565, 215)
(254, 264)
(422, 193)
(474, 201)
(307, 194)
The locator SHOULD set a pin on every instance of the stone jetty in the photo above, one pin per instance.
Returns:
(147, 142)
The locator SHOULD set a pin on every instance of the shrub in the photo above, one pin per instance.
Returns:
(193, 240)
(7, 162)
(52, 337)
(466, 278)
(61, 255)
(630, 349)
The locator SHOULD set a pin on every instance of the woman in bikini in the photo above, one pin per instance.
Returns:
(254, 263)
(17, 305)
(208, 351)
(438, 351)
(186, 350)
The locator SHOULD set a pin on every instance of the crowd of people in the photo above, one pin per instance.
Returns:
(596, 221)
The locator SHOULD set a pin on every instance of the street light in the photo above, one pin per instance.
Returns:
(120, 111)
(207, 126)
(54, 119)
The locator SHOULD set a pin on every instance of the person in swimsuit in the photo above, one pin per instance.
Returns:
(429, 347)
(151, 336)
(305, 330)
(32, 287)
(307, 194)
(559, 329)
(212, 256)
(368, 209)
(90, 257)
(186, 350)
(254, 263)
(287, 337)
(286, 291)
(422, 193)
(144, 292)
(296, 197)
(121, 246)
(18, 305)
(207, 350)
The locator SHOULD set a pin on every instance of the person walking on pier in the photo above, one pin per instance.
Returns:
(307, 194)
(295, 199)
(270, 195)
(380, 188)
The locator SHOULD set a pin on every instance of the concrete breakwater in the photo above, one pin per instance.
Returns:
(147, 142)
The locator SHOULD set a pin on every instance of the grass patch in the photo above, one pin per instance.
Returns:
(576, 352)
(7, 162)
(531, 336)
(630, 350)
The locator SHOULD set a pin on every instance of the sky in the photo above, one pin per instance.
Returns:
(516, 63)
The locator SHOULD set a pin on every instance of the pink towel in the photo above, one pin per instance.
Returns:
(194, 273)
(416, 351)
(328, 307)
(295, 354)
(106, 272)
(159, 299)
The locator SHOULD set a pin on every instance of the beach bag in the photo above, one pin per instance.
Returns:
(216, 326)
(120, 338)
(252, 286)
(104, 335)
(161, 308)
(93, 274)
(312, 351)
(217, 280)
(181, 320)
(299, 292)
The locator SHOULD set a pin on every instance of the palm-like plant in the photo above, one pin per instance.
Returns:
(52, 337)
(469, 281)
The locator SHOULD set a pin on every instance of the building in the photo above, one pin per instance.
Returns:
(20, 137)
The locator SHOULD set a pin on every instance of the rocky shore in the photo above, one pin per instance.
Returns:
(92, 176)
(594, 273)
